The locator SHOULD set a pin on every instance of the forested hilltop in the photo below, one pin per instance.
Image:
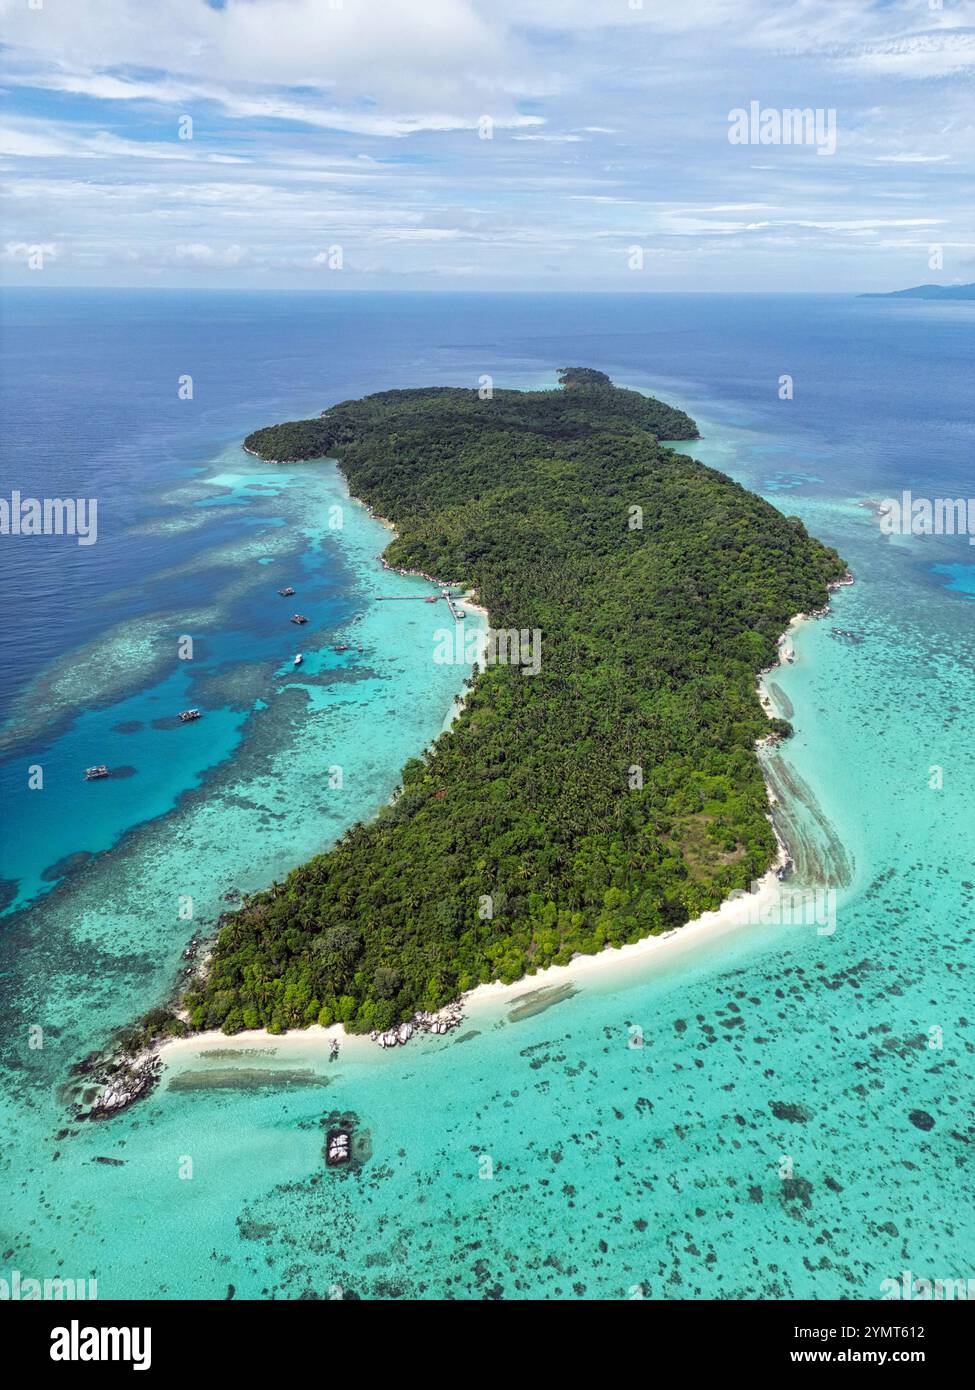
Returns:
(614, 794)
(595, 404)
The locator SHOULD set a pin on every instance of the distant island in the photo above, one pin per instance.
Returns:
(927, 292)
(614, 793)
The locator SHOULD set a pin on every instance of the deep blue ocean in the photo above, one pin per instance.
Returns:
(195, 537)
(89, 392)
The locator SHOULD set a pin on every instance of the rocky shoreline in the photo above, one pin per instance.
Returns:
(107, 1084)
(420, 574)
(440, 1022)
(255, 455)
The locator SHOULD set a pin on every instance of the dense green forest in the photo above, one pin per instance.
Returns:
(614, 794)
(595, 405)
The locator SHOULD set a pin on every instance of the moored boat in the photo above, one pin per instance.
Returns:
(299, 659)
(299, 618)
(92, 774)
(338, 1147)
(186, 716)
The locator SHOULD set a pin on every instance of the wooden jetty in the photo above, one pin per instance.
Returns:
(445, 594)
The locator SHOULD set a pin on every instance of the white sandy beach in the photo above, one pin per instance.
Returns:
(266, 1048)
(694, 938)
(609, 968)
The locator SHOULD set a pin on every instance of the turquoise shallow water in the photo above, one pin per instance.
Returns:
(324, 747)
(761, 1141)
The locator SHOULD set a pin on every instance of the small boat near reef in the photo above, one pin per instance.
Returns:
(286, 593)
(299, 618)
(186, 716)
(338, 1147)
(92, 774)
(299, 659)
(342, 647)
(346, 1144)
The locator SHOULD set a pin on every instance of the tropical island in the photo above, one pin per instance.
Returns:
(614, 794)
(927, 292)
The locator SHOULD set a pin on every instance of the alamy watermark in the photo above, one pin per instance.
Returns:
(927, 516)
(790, 125)
(494, 646)
(790, 907)
(49, 516)
(16, 1287)
(77, 1343)
(912, 1289)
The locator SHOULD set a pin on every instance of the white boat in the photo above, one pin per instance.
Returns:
(299, 659)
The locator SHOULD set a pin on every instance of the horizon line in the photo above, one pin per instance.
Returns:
(440, 290)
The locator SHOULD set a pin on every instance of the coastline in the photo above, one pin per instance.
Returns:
(469, 596)
(138, 1075)
(741, 910)
(734, 914)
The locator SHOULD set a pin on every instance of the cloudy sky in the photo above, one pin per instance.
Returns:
(343, 144)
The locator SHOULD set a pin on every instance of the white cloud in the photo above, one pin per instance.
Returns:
(50, 140)
(912, 158)
(356, 127)
(419, 233)
(375, 66)
(946, 53)
(202, 253)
